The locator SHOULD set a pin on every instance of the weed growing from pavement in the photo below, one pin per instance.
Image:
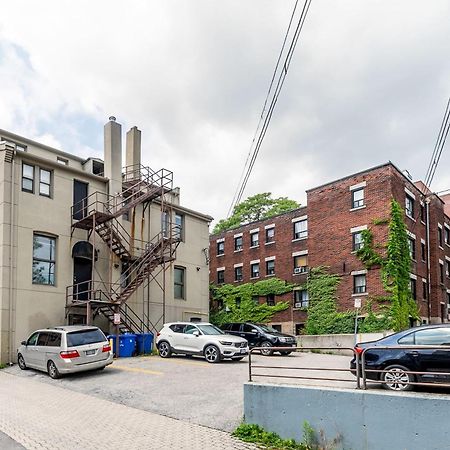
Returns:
(2, 366)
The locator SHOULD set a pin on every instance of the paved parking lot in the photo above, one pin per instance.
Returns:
(189, 389)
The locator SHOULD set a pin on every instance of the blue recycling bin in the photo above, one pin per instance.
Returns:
(127, 344)
(144, 343)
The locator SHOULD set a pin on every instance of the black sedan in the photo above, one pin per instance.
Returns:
(405, 355)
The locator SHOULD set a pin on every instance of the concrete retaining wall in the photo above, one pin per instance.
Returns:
(364, 420)
(338, 340)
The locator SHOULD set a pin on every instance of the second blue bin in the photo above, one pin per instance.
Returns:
(127, 344)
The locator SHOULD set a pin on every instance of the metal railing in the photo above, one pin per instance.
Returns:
(360, 371)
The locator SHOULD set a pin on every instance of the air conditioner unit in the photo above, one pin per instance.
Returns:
(239, 247)
(255, 244)
(299, 269)
(255, 275)
(297, 305)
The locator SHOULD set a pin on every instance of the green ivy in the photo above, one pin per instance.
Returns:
(366, 253)
(239, 303)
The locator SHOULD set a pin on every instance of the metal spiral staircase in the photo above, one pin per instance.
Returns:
(99, 212)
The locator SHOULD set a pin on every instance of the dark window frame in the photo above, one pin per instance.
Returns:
(270, 270)
(179, 227)
(238, 273)
(358, 203)
(300, 234)
(253, 272)
(51, 261)
(361, 289)
(254, 242)
(237, 247)
(411, 210)
(179, 284)
(412, 247)
(43, 183)
(301, 299)
(220, 248)
(270, 235)
(24, 189)
(357, 245)
(220, 276)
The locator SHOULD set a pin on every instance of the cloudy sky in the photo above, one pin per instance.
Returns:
(368, 83)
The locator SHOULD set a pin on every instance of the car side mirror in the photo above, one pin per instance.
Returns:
(23, 343)
(196, 333)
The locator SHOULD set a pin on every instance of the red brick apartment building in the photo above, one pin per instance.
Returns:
(328, 231)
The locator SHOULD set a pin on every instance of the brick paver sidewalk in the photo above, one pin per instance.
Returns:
(39, 415)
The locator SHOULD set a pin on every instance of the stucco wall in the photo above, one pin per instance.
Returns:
(362, 420)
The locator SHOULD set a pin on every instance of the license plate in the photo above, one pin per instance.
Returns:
(243, 350)
(90, 352)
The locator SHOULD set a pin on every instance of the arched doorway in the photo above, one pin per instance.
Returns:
(82, 269)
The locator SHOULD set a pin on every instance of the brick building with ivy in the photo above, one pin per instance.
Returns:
(329, 231)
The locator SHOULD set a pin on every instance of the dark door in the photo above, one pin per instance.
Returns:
(80, 193)
(251, 334)
(82, 273)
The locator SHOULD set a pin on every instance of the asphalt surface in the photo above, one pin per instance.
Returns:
(190, 389)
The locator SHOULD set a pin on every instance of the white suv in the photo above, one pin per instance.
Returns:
(200, 338)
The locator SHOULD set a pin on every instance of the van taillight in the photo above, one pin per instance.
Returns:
(106, 348)
(70, 354)
(359, 350)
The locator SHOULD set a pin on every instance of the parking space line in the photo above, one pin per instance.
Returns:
(191, 363)
(136, 369)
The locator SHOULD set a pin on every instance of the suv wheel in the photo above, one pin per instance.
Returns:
(52, 370)
(267, 348)
(164, 349)
(396, 378)
(21, 362)
(212, 354)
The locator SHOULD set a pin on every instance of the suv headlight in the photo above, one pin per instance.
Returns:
(225, 343)
(283, 339)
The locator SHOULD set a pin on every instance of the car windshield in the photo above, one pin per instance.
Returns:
(209, 329)
(268, 329)
(84, 337)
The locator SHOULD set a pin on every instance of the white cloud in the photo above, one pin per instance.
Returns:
(368, 83)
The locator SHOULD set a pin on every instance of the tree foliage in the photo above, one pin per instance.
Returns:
(240, 302)
(258, 207)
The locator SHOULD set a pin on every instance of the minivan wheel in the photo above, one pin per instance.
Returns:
(52, 370)
(164, 349)
(267, 348)
(212, 354)
(396, 378)
(21, 362)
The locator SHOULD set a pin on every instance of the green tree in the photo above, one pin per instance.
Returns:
(257, 207)
(240, 303)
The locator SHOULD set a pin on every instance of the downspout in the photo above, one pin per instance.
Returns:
(427, 202)
(11, 262)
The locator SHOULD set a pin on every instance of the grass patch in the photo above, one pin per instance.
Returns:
(257, 435)
(3, 366)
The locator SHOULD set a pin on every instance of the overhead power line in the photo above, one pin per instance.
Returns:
(438, 147)
(267, 115)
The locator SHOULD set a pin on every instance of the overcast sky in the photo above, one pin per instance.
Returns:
(368, 83)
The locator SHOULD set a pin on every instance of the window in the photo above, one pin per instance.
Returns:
(440, 237)
(299, 328)
(254, 239)
(424, 290)
(177, 327)
(179, 274)
(301, 264)
(238, 302)
(165, 223)
(447, 269)
(54, 339)
(270, 235)
(301, 229)
(27, 178)
(412, 248)
(32, 339)
(412, 288)
(270, 267)
(447, 236)
(220, 276)
(301, 298)
(220, 248)
(42, 340)
(62, 161)
(190, 329)
(423, 214)
(357, 241)
(44, 257)
(44, 182)
(409, 206)
(358, 198)
(254, 269)
(441, 272)
(270, 300)
(238, 273)
(432, 336)
(238, 243)
(255, 299)
(423, 251)
(179, 226)
(277, 328)
(359, 284)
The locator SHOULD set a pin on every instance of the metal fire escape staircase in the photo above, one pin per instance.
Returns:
(100, 212)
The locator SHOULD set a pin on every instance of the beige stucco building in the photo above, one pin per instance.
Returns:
(91, 241)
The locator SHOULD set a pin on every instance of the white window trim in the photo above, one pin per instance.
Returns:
(220, 240)
(299, 219)
(238, 235)
(270, 258)
(412, 235)
(422, 241)
(446, 225)
(412, 276)
(255, 230)
(272, 225)
(359, 272)
(356, 229)
(447, 258)
(238, 265)
(439, 226)
(355, 187)
(359, 207)
(300, 253)
(255, 261)
(441, 262)
(412, 195)
(220, 269)
(424, 280)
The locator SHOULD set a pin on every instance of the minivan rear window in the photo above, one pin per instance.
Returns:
(84, 337)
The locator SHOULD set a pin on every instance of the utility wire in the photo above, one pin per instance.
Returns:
(281, 78)
(439, 146)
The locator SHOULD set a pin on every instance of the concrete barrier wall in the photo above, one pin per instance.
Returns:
(338, 340)
(361, 420)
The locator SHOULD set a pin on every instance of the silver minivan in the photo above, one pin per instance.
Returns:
(65, 349)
